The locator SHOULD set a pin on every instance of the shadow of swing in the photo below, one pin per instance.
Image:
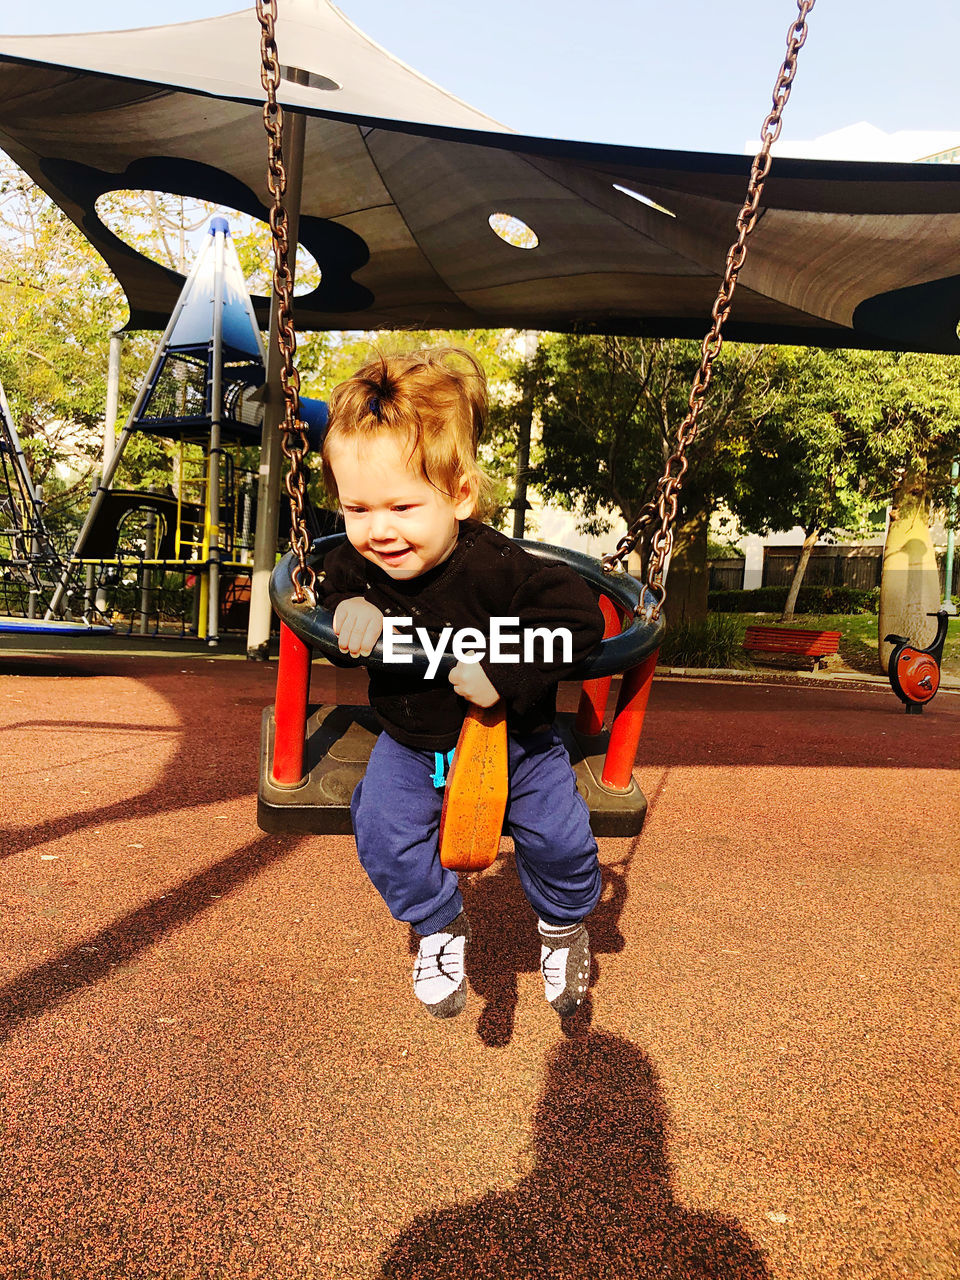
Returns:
(195, 705)
(598, 1203)
(96, 958)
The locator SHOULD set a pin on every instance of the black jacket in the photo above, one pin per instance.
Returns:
(487, 575)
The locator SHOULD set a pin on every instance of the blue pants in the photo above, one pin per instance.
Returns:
(396, 817)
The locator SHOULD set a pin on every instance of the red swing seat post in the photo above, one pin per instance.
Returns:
(628, 725)
(594, 693)
(621, 753)
(290, 710)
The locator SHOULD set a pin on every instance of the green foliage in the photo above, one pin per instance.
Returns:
(802, 460)
(905, 408)
(845, 433)
(60, 304)
(838, 432)
(713, 642)
(810, 600)
(609, 409)
(722, 550)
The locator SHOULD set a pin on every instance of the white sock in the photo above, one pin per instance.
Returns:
(555, 946)
(439, 969)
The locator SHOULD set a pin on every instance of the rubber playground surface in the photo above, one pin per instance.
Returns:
(213, 1066)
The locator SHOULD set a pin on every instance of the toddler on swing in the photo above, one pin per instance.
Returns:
(400, 455)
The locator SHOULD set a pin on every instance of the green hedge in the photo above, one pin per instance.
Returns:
(810, 600)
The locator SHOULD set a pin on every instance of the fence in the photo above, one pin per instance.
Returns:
(858, 567)
(726, 575)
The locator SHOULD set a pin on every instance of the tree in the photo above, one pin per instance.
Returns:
(61, 303)
(907, 409)
(609, 408)
(846, 434)
(802, 461)
(56, 305)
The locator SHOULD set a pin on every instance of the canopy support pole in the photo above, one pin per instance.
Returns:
(212, 550)
(952, 513)
(271, 453)
(524, 426)
(109, 445)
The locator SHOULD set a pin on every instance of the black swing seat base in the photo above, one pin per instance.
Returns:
(339, 740)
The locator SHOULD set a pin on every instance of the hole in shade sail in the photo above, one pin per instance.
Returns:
(312, 79)
(513, 231)
(651, 204)
(169, 229)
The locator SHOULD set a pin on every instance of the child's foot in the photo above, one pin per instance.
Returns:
(565, 965)
(439, 974)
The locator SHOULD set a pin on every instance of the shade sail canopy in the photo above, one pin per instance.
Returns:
(401, 180)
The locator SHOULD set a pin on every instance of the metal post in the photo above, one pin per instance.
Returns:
(247, 517)
(524, 427)
(113, 397)
(271, 454)
(146, 571)
(948, 604)
(216, 411)
(109, 448)
(34, 591)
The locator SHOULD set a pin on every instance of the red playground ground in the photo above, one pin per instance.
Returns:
(213, 1066)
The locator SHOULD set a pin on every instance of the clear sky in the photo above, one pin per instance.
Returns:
(661, 73)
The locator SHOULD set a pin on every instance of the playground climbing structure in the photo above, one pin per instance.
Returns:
(182, 555)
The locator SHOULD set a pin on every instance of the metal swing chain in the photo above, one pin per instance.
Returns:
(293, 438)
(665, 504)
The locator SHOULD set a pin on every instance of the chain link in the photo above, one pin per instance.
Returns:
(293, 438)
(664, 508)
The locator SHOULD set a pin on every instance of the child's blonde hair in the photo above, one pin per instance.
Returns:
(436, 399)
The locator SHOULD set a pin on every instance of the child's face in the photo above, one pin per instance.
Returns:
(393, 516)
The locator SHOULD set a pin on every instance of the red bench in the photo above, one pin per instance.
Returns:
(793, 640)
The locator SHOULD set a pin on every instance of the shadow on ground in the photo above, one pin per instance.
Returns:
(95, 959)
(598, 1204)
(213, 726)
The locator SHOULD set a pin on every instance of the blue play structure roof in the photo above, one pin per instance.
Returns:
(195, 325)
